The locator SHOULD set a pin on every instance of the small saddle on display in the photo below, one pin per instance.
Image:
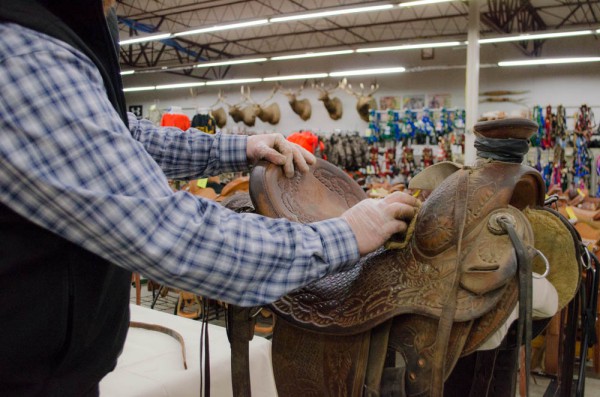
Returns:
(396, 322)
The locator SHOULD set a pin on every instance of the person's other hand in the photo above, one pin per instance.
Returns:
(278, 150)
(373, 221)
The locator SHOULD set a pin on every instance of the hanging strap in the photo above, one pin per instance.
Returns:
(589, 305)
(204, 351)
(240, 323)
(525, 299)
(164, 330)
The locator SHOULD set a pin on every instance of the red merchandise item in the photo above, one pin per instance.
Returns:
(175, 120)
(306, 139)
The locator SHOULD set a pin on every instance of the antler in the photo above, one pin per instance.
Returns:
(348, 88)
(273, 92)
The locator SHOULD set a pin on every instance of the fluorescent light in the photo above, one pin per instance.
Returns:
(234, 81)
(217, 28)
(232, 62)
(297, 77)
(127, 72)
(535, 36)
(409, 46)
(146, 38)
(421, 3)
(597, 30)
(367, 72)
(146, 88)
(181, 85)
(323, 14)
(548, 61)
(312, 55)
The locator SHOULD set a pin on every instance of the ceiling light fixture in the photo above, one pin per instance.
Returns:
(284, 18)
(180, 85)
(548, 61)
(217, 28)
(153, 37)
(234, 81)
(232, 62)
(145, 88)
(127, 72)
(312, 55)
(422, 3)
(363, 72)
(535, 36)
(410, 46)
(330, 13)
(297, 77)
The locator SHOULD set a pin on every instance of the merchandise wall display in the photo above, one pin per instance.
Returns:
(563, 155)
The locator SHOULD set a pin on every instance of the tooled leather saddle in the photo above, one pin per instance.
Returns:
(396, 322)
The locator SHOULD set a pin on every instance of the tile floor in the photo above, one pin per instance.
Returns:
(538, 383)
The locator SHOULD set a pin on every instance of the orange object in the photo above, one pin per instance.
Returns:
(306, 139)
(175, 120)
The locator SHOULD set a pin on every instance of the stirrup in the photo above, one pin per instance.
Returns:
(188, 299)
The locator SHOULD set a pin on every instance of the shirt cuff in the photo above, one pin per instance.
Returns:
(232, 153)
(339, 244)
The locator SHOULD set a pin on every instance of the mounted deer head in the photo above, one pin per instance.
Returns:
(365, 102)
(333, 105)
(219, 113)
(301, 107)
(245, 114)
(270, 114)
(250, 111)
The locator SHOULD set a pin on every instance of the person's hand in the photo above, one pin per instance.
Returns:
(373, 221)
(278, 150)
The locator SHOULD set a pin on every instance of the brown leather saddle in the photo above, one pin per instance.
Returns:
(400, 318)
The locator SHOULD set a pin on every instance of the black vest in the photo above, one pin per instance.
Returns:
(64, 311)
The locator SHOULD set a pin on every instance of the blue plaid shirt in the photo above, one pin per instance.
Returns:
(69, 164)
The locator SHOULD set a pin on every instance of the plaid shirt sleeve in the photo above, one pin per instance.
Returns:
(190, 154)
(69, 164)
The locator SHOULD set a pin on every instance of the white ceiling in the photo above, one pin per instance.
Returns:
(426, 23)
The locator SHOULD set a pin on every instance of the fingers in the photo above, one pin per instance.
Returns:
(308, 157)
(299, 158)
(278, 150)
(295, 156)
(404, 198)
(402, 212)
(288, 167)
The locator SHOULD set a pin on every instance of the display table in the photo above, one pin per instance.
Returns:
(151, 363)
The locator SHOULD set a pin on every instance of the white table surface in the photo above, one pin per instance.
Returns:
(151, 364)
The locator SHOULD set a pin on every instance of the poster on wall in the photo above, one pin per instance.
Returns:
(438, 101)
(413, 102)
(137, 110)
(390, 102)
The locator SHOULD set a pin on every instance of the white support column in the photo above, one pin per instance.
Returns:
(472, 80)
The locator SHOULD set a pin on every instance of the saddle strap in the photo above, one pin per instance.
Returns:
(589, 306)
(524, 325)
(164, 330)
(204, 351)
(377, 353)
(240, 323)
(447, 317)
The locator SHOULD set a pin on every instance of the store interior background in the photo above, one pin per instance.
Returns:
(570, 85)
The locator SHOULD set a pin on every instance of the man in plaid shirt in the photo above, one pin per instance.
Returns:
(84, 201)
